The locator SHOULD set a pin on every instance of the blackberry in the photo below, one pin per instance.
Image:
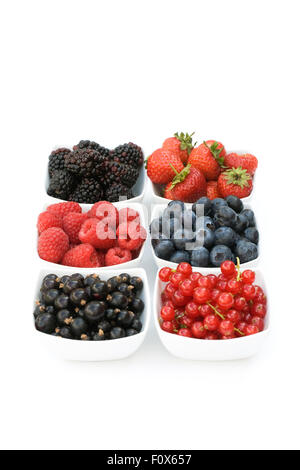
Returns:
(87, 162)
(119, 173)
(61, 184)
(117, 191)
(88, 191)
(57, 160)
(129, 154)
(89, 144)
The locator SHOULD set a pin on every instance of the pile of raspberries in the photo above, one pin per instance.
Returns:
(101, 237)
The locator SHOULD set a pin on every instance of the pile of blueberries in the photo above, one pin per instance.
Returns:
(206, 235)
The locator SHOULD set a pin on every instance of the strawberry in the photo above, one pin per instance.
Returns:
(168, 191)
(236, 182)
(247, 162)
(208, 158)
(180, 145)
(160, 166)
(188, 185)
(212, 190)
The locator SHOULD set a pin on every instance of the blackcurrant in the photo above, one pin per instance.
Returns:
(111, 314)
(71, 284)
(89, 280)
(40, 308)
(50, 276)
(99, 336)
(78, 277)
(104, 325)
(79, 327)
(63, 280)
(125, 318)
(62, 301)
(117, 333)
(94, 311)
(79, 296)
(45, 322)
(137, 325)
(65, 332)
(137, 283)
(125, 277)
(64, 317)
(130, 332)
(117, 300)
(137, 306)
(49, 296)
(125, 289)
(49, 283)
(113, 282)
(99, 290)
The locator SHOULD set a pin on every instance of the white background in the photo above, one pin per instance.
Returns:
(116, 71)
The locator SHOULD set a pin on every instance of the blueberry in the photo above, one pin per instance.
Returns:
(205, 222)
(169, 227)
(164, 249)
(182, 238)
(157, 238)
(246, 251)
(177, 204)
(174, 210)
(225, 236)
(217, 203)
(205, 237)
(249, 214)
(241, 223)
(156, 226)
(225, 216)
(189, 220)
(180, 256)
(235, 203)
(220, 253)
(202, 207)
(252, 234)
(200, 257)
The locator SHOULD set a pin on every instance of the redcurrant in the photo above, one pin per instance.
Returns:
(240, 302)
(192, 310)
(198, 330)
(225, 300)
(233, 286)
(167, 313)
(228, 268)
(249, 291)
(176, 279)
(251, 330)
(186, 288)
(248, 276)
(259, 322)
(164, 274)
(167, 326)
(204, 281)
(185, 269)
(233, 315)
(259, 310)
(179, 300)
(211, 323)
(185, 332)
(201, 295)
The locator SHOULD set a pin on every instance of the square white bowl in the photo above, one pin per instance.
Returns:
(156, 189)
(139, 188)
(85, 208)
(209, 350)
(76, 350)
(158, 210)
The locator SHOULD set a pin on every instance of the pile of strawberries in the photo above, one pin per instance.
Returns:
(101, 237)
(189, 172)
(226, 306)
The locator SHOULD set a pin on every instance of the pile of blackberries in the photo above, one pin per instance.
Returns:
(88, 308)
(207, 234)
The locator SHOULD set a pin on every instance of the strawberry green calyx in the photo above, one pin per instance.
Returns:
(186, 141)
(216, 153)
(237, 176)
(180, 177)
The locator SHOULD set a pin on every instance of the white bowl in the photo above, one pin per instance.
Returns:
(209, 350)
(138, 189)
(85, 208)
(158, 210)
(76, 350)
(156, 189)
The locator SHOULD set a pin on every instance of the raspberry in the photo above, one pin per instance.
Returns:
(53, 244)
(98, 234)
(117, 256)
(82, 256)
(131, 236)
(106, 212)
(47, 220)
(101, 258)
(72, 223)
(63, 208)
(128, 215)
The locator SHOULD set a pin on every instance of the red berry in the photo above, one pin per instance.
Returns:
(192, 310)
(247, 317)
(128, 215)
(47, 220)
(185, 332)
(82, 256)
(212, 336)
(241, 326)
(228, 268)
(117, 256)
(205, 310)
(98, 234)
(168, 303)
(201, 295)
(63, 208)
(167, 313)
(186, 288)
(225, 300)
(185, 321)
(164, 274)
(240, 302)
(248, 276)
(249, 291)
(260, 295)
(179, 300)
(194, 277)
(53, 244)
(131, 236)
(222, 285)
(176, 279)
(198, 330)
(231, 336)
(233, 286)
(204, 281)
(167, 326)
(259, 322)
(185, 269)
(215, 294)
(72, 224)
(251, 330)
(213, 280)
(106, 212)
(169, 291)
(234, 316)
(211, 323)
(259, 309)
(226, 328)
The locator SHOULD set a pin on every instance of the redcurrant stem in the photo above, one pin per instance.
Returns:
(223, 318)
(238, 265)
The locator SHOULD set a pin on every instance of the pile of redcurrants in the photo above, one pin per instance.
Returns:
(224, 306)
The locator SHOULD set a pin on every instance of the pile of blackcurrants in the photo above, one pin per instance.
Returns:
(88, 308)
(207, 234)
